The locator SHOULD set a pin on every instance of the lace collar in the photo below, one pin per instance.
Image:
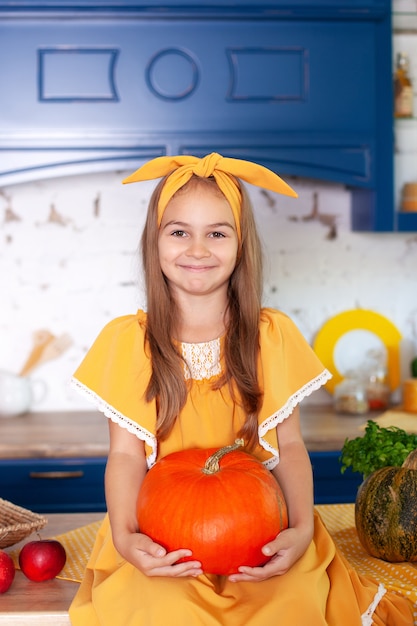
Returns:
(202, 360)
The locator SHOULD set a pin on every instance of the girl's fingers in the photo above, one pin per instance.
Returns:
(167, 564)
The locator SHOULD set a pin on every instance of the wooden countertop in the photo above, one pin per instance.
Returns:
(85, 433)
(54, 435)
(28, 603)
(325, 430)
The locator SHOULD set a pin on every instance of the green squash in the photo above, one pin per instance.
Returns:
(386, 512)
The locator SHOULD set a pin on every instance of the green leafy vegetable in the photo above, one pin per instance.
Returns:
(377, 448)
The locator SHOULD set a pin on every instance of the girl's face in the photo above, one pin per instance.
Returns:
(197, 242)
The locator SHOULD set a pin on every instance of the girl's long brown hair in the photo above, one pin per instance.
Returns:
(167, 384)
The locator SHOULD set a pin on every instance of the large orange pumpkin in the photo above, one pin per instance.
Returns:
(223, 511)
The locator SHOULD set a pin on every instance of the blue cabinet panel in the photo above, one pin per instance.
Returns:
(54, 486)
(330, 486)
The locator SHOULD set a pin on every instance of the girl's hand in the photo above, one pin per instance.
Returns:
(287, 548)
(153, 560)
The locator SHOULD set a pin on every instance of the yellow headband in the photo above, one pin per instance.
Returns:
(223, 169)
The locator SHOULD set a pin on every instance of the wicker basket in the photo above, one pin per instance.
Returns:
(17, 523)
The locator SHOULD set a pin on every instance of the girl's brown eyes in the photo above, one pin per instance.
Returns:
(182, 233)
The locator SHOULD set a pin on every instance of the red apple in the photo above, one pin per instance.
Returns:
(7, 571)
(42, 560)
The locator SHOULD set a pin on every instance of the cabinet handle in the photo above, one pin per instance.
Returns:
(58, 474)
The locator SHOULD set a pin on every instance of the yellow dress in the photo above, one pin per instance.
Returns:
(320, 589)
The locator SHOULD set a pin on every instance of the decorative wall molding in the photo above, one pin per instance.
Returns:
(77, 74)
(268, 74)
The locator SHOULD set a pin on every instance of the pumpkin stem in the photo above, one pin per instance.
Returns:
(212, 464)
(411, 461)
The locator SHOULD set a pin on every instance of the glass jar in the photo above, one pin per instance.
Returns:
(378, 394)
(350, 397)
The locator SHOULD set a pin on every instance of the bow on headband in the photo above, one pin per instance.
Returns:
(223, 169)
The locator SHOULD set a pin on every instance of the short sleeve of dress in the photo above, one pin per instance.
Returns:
(289, 371)
(114, 375)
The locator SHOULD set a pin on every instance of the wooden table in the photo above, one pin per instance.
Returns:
(28, 603)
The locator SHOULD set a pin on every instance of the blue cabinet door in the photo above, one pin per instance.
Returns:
(330, 486)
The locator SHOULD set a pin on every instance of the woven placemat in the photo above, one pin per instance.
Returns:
(78, 544)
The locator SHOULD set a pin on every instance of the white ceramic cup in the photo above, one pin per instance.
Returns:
(18, 394)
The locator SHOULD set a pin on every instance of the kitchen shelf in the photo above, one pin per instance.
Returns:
(404, 22)
(405, 130)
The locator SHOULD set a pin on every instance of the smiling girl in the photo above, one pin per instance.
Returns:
(203, 365)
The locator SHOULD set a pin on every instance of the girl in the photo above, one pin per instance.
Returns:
(204, 365)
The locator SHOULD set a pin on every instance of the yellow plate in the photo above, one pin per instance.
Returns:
(358, 319)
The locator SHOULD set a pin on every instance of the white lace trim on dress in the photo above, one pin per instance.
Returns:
(202, 360)
(366, 617)
(120, 419)
(285, 411)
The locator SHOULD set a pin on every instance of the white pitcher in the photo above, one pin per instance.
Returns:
(18, 393)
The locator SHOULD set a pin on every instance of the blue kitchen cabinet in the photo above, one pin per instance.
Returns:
(54, 485)
(330, 486)
(303, 87)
